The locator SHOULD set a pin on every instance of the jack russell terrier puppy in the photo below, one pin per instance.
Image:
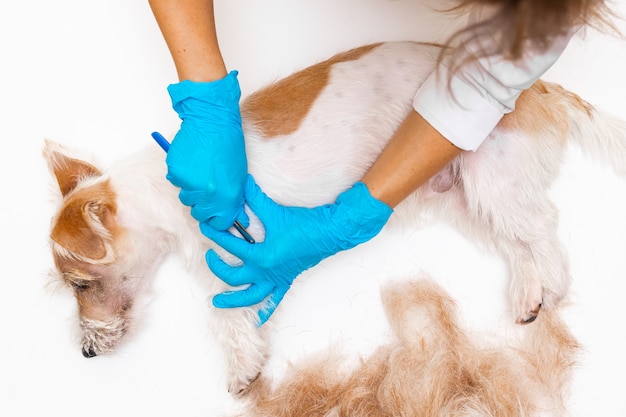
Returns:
(309, 137)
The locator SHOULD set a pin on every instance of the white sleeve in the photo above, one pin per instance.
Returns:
(479, 94)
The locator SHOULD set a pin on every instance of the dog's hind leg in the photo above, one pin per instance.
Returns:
(538, 263)
(505, 185)
(512, 212)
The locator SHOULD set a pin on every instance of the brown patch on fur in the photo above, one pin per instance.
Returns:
(86, 220)
(280, 108)
(544, 106)
(434, 368)
(69, 171)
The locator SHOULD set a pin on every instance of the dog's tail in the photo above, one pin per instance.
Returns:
(600, 135)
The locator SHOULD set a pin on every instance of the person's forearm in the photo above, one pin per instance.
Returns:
(188, 27)
(416, 152)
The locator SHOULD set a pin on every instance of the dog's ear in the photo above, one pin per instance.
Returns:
(86, 224)
(68, 171)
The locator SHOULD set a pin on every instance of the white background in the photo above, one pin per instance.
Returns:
(93, 74)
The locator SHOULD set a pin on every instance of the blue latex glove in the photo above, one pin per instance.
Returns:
(296, 239)
(207, 158)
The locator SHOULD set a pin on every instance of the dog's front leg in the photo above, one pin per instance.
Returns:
(244, 345)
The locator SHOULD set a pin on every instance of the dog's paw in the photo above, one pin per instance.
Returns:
(529, 315)
(532, 301)
(527, 302)
(552, 297)
(240, 385)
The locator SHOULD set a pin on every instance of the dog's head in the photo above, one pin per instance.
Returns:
(94, 254)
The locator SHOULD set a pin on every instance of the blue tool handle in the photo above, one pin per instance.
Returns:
(165, 145)
(161, 141)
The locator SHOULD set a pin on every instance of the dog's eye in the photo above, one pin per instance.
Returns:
(79, 285)
(78, 280)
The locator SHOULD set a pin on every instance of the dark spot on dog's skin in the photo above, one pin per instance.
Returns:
(127, 305)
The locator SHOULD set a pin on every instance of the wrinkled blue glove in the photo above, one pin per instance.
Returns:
(207, 158)
(296, 239)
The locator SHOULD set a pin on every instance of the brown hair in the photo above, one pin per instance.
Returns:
(530, 24)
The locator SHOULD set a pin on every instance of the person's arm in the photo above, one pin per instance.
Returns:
(415, 153)
(464, 112)
(207, 158)
(188, 27)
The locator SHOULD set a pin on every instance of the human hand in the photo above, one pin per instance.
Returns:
(207, 158)
(296, 239)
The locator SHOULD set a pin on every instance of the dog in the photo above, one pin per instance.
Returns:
(309, 137)
(432, 367)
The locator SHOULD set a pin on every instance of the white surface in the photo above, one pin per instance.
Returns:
(93, 74)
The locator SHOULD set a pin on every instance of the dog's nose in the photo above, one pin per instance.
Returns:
(89, 353)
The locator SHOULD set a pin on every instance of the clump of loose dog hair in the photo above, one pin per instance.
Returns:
(432, 368)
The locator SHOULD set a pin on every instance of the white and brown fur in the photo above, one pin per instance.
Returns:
(431, 367)
(309, 137)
